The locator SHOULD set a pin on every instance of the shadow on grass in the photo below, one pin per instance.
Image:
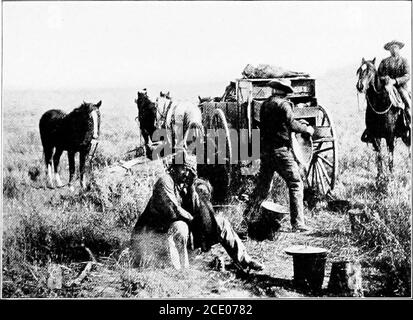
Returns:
(275, 287)
(330, 233)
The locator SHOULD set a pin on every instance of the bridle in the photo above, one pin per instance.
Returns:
(163, 116)
(371, 83)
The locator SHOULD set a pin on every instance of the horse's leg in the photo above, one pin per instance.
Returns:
(390, 148)
(379, 156)
(71, 157)
(56, 159)
(48, 154)
(145, 135)
(82, 161)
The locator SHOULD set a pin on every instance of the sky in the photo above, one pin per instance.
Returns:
(59, 44)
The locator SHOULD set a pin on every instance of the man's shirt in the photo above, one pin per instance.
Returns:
(396, 68)
(276, 123)
(164, 206)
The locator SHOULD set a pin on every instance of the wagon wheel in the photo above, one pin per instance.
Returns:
(218, 121)
(322, 171)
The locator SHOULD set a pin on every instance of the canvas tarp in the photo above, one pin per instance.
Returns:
(266, 71)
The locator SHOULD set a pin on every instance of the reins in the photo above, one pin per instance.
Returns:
(374, 110)
(372, 84)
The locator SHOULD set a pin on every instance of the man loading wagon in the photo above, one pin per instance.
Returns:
(276, 124)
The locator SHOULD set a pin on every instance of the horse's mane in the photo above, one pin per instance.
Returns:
(80, 109)
(80, 112)
(146, 100)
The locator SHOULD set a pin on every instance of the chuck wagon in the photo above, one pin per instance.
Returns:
(239, 108)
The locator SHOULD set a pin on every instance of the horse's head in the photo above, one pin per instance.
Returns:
(366, 75)
(142, 100)
(163, 101)
(204, 99)
(92, 112)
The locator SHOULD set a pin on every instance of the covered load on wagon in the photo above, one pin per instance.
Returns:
(268, 71)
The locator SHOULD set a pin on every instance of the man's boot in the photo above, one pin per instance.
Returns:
(365, 137)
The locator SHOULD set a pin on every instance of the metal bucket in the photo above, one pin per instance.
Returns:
(271, 216)
(309, 267)
(274, 211)
(345, 279)
(268, 223)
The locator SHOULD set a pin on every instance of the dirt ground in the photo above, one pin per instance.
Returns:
(204, 280)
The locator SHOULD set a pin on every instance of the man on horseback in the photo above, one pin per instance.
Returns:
(277, 123)
(395, 71)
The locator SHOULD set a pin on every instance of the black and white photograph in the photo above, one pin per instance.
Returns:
(206, 150)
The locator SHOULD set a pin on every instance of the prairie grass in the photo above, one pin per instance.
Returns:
(41, 226)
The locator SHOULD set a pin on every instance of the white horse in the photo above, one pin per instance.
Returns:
(182, 120)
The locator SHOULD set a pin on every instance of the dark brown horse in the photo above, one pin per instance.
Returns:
(72, 132)
(384, 120)
(146, 115)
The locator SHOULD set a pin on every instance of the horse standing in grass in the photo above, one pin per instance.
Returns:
(147, 116)
(384, 117)
(72, 132)
(181, 120)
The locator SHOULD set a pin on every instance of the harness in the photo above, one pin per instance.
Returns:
(162, 116)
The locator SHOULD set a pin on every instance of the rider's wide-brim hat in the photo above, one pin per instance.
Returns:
(392, 43)
(281, 86)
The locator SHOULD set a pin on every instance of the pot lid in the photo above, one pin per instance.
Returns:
(305, 250)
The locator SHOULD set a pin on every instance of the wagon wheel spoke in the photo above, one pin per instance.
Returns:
(324, 171)
(323, 186)
(317, 178)
(326, 161)
(323, 121)
(219, 122)
(317, 151)
(314, 176)
(310, 172)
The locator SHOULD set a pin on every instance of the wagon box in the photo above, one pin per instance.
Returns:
(239, 109)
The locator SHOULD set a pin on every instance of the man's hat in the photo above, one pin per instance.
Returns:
(394, 42)
(280, 85)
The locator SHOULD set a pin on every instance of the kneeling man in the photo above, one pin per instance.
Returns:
(180, 203)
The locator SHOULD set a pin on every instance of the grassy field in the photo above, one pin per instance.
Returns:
(45, 228)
